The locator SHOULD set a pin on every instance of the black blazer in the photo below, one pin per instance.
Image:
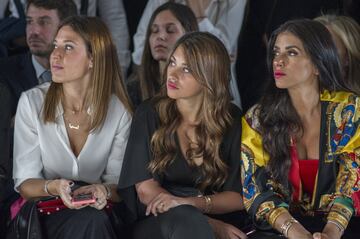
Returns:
(5, 121)
(18, 73)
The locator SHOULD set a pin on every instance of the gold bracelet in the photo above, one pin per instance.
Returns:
(334, 216)
(286, 226)
(338, 225)
(342, 210)
(208, 204)
(46, 190)
(108, 191)
(274, 214)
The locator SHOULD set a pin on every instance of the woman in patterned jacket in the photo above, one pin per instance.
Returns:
(301, 143)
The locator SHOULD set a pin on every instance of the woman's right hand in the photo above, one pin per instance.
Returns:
(62, 187)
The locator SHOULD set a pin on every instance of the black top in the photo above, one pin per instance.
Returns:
(179, 178)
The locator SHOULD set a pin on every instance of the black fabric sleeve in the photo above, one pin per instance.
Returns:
(137, 157)
(231, 152)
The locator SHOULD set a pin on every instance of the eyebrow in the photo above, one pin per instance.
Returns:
(67, 41)
(41, 18)
(288, 47)
(166, 24)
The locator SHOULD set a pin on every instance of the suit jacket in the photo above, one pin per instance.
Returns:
(5, 118)
(19, 74)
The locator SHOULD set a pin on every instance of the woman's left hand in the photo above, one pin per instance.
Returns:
(163, 202)
(98, 190)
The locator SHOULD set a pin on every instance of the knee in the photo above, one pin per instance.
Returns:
(183, 219)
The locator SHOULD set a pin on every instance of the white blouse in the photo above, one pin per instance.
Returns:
(43, 150)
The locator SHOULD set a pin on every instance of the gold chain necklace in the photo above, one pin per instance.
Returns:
(75, 126)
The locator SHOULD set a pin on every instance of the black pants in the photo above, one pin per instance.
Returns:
(85, 223)
(178, 223)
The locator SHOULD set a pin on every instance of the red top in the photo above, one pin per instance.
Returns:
(308, 170)
(302, 174)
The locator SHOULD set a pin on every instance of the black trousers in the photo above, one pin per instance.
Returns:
(184, 221)
(180, 222)
(85, 223)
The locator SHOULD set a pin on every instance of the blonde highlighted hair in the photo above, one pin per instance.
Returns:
(106, 76)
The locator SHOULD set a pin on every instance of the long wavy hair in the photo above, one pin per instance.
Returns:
(278, 119)
(348, 30)
(150, 75)
(210, 65)
(105, 77)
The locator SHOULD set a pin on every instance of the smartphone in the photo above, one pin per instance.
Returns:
(82, 199)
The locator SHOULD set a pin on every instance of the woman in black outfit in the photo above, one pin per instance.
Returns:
(181, 165)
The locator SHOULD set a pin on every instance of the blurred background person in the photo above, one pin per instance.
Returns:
(346, 34)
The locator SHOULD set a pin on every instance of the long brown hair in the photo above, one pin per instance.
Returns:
(105, 78)
(150, 76)
(210, 65)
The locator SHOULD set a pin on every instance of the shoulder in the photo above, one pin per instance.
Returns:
(251, 118)
(342, 104)
(38, 92)
(35, 96)
(343, 97)
(116, 104)
(32, 100)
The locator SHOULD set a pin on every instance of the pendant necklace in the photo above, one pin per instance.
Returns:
(74, 126)
(70, 125)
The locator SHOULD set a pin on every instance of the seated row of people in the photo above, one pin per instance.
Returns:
(189, 161)
(183, 154)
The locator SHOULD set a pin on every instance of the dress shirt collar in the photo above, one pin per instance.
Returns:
(39, 69)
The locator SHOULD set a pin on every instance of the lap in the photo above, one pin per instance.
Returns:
(184, 221)
(84, 223)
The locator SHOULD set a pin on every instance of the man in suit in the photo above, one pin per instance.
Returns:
(25, 71)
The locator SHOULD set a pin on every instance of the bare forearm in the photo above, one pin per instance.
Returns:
(148, 190)
(296, 230)
(33, 188)
(223, 202)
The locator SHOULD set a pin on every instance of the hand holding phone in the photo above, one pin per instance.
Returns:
(81, 199)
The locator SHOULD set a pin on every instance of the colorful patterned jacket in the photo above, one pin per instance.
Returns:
(338, 178)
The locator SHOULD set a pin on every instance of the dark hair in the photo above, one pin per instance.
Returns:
(209, 62)
(277, 116)
(150, 75)
(64, 8)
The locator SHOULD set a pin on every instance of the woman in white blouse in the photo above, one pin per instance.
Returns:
(74, 129)
(222, 18)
